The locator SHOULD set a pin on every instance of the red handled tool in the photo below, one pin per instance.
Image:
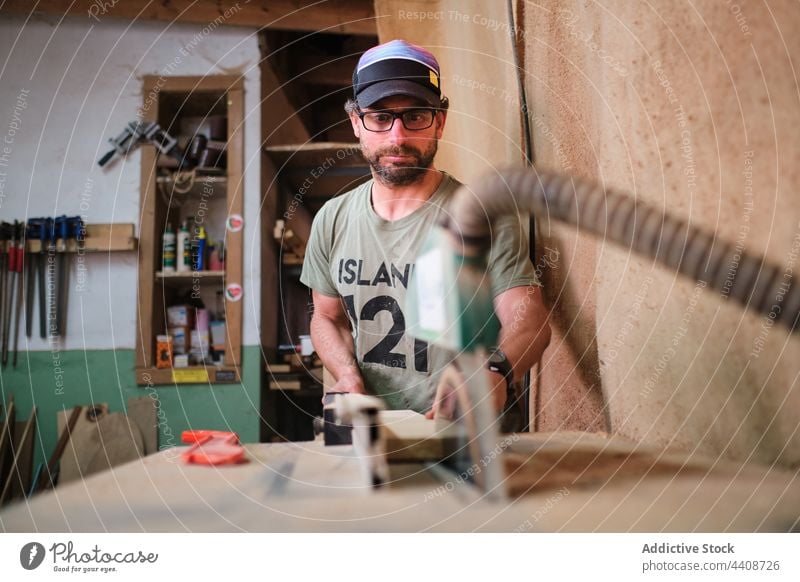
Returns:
(213, 447)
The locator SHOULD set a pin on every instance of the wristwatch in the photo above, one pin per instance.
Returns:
(498, 362)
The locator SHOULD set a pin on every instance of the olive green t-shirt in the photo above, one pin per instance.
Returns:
(367, 261)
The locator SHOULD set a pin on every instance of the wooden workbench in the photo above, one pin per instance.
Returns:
(309, 487)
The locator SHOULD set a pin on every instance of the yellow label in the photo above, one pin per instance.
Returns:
(189, 376)
(434, 79)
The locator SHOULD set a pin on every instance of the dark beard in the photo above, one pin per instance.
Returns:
(401, 175)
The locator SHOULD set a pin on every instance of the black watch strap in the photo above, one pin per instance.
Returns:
(498, 362)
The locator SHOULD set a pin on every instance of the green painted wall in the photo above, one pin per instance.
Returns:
(55, 381)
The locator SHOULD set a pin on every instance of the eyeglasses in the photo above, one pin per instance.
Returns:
(412, 119)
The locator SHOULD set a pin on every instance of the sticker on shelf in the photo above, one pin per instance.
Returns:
(189, 376)
(233, 292)
(235, 223)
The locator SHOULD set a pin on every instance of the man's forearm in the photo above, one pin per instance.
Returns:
(524, 332)
(334, 346)
(524, 348)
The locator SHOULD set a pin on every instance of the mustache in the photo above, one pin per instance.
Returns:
(399, 151)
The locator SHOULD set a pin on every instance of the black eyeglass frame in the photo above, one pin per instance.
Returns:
(398, 115)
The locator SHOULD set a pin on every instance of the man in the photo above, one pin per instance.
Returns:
(363, 244)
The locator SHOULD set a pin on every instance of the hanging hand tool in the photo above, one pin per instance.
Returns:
(51, 276)
(11, 291)
(5, 236)
(20, 297)
(67, 228)
(61, 229)
(42, 228)
(138, 132)
(30, 281)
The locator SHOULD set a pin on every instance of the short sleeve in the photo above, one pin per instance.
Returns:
(509, 258)
(316, 273)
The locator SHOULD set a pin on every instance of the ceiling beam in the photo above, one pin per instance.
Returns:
(341, 16)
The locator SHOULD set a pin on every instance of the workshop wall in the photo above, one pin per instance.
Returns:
(472, 43)
(67, 87)
(690, 109)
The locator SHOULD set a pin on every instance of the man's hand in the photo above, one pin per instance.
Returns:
(444, 400)
(498, 388)
(349, 382)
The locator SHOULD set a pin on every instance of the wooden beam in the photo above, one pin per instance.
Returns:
(328, 71)
(340, 16)
(280, 122)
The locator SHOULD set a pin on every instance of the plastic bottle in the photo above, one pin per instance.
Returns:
(184, 252)
(199, 252)
(168, 250)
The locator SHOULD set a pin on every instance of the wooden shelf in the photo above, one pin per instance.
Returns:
(188, 375)
(190, 275)
(198, 187)
(313, 154)
(216, 177)
(100, 238)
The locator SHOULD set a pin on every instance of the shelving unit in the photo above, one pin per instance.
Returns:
(211, 196)
(309, 156)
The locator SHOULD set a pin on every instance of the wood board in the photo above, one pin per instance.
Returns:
(143, 413)
(412, 437)
(100, 440)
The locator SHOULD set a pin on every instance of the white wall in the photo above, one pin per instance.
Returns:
(65, 89)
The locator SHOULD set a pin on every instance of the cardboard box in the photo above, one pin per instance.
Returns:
(218, 336)
(181, 339)
(163, 351)
(199, 343)
(180, 316)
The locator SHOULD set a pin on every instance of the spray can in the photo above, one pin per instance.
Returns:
(199, 251)
(184, 252)
(168, 250)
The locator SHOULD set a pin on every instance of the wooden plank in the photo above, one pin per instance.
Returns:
(119, 441)
(190, 275)
(100, 238)
(17, 478)
(412, 437)
(340, 16)
(270, 297)
(234, 241)
(284, 384)
(6, 450)
(144, 414)
(546, 461)
(20, 484)
(100, 440)
(149, 241)
(191, 84)
(46, 480)
(166, 376)
(310, 153)
(78, 452)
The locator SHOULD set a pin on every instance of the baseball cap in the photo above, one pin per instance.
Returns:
(397, 68)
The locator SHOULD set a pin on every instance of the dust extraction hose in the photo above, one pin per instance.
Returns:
(758, 285)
